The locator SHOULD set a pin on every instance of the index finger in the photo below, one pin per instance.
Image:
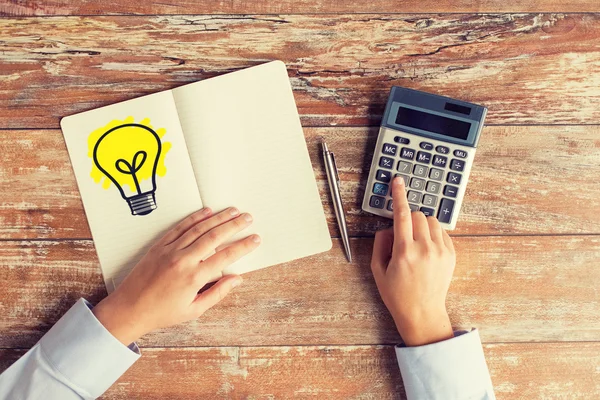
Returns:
(403, 229)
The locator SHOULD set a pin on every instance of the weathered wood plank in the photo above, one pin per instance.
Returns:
(519, 371)
(512, 288)
(152, 7)
(527, 68)
(525, 180)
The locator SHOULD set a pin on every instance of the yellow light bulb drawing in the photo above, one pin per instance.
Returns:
(130, 155)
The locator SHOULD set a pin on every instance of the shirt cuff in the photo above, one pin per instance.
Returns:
(81, 349)
(451, 369)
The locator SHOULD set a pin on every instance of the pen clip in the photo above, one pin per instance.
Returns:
(335, 169)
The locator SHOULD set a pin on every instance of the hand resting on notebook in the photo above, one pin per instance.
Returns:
(162, 289)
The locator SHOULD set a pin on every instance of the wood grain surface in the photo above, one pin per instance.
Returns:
(527, 68)
(149, 7)
(521, 288)
(518, 370)
(525, 180)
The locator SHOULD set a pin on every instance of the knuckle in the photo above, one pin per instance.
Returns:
(212, 236)
(229, 253)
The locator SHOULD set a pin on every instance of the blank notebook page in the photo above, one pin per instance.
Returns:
(248, 150)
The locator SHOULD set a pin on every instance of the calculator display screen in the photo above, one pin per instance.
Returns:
(433, 123)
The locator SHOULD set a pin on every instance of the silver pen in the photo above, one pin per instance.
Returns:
(334, 186)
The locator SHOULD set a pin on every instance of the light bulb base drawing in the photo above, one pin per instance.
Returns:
(142, 204)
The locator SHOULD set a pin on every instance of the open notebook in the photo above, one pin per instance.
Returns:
(235, 140)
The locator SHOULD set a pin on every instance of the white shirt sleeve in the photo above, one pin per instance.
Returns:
(454, 369)
(77, 359)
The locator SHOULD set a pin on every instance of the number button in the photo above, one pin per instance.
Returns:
(380, 189)
(404, 167)
(427, 211)
(436, 174)
(401, 140)
(442, 149)
(390, 205)
(417, 183)
(426, 146)
(457, 165)
(413, 207)
(453, 178)
(424, 157)
(429, 200)
(432, 187)
(460, 153)
(377, 202)
(439, 161)
(450, 191)
(445, 211)
(389, 149)
(383, 176)
(407, 154)
(403, 177)
(413, 197)
(386, 162)
(420, 170)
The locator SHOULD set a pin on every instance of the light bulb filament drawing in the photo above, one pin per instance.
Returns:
(132, 168)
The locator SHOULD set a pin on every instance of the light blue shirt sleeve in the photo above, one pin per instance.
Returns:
(454, 369)
(77, 359)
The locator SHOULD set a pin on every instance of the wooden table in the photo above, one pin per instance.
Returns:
(527, 240)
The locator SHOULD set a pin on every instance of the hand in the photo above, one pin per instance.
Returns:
(162, 289)
(413, 265)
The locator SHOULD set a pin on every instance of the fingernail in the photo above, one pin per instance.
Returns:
(248, 217)
(234, 211)
(399, 181)
(236, 283)
(256, 238)
(206, 210)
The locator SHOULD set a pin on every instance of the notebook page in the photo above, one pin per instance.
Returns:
(248, 150)
(122, 238)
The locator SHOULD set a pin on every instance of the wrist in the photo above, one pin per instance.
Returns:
(422, 328)
(117, 321)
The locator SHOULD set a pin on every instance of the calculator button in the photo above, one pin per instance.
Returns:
(424, 157)
(450, 191)
(383, 176)
(377, 202)
(453, 178)
(432, 187)
(429, 200)
(380, 189)
(390, 206)
(404, 166)
(460, 153)
(403, 177)
(407, 153)
(440, 161)
(389, 149)
(417, 183)
(445, 211)
(426, 145)
(436, 174)
(427, 211)
(386, 162)
(401, 140)
(413, 197)
(457, 165)
(442, 149)
(420, 170)
(413, 207)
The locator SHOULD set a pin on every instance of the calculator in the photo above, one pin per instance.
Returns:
(429, 141)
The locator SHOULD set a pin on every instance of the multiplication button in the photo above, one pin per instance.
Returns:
(453, 178)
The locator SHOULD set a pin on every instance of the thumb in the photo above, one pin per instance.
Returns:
(213, 295)
(382, 250)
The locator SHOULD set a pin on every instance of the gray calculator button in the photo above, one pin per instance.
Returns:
(436, 174)
(426, 145)
(420, 170)
(413, 197)
(457, 165)
(460, 153)
(401, 140)
(377, 202)
(442, 149)
(450, 191)
(429, 200)
(389, 149)
(403, 177)
(417, 183)
(432, 187)
(386, 162)
(404, 166)
(383, 176)
(440, 161)
(427, 211)
(424, 157)
(390, 205)
(407, 154)
(445, 211)
(413, 207)
(453, 178)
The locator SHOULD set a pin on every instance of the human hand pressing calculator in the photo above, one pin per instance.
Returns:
(430, 142)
